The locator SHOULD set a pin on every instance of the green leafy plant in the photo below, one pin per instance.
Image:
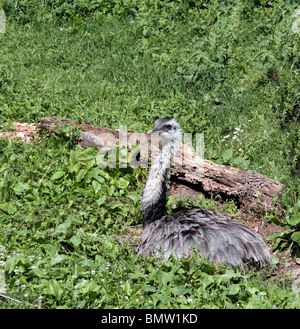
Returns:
(290, 238)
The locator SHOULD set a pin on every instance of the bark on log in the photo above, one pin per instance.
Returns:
(247, 188)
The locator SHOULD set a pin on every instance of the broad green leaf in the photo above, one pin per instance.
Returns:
(53, 288)
(11, 209)
(103, 174)
(87, 155)
(74, 167)
(58, 259)
(134, 197)
(164, 277)
(57, 175)
(294, 220)
(148, 288)
(296, 237)
(13, 261)
(81, 175)
(107, 221)
(90, 287)
(274, 260)
(31, 197)
(165, 299)
(227, 156)
(96, 186)
(206, 280)
(279, 222)
(101, 200)
(122, 183)
(76, 219)
(8, 208)
(229, 274)
(180, 290)
(20, 187)
(62, 228)
(233, 290)
(75, 240)
(111, 190)
(127, 288)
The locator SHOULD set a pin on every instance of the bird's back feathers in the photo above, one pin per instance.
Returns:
(221, 239)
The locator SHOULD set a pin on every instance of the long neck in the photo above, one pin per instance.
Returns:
(157, 186)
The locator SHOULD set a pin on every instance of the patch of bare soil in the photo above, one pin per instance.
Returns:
(24, 131)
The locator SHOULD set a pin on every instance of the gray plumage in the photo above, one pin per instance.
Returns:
(180, 233)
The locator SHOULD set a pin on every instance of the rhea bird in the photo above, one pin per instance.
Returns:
(178, 234)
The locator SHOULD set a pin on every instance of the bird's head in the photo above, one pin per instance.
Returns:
(167, 128)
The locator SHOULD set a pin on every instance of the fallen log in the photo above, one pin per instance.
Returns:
(248, 189)
(24, 131)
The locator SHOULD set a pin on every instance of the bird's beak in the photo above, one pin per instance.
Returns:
(151, 131)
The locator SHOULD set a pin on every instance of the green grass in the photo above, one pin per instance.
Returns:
(215, 67)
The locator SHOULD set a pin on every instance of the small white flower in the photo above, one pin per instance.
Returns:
(93, 272)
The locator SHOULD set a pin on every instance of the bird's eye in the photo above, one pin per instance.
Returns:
(167, 127)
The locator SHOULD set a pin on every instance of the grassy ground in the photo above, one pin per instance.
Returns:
(230, 71)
